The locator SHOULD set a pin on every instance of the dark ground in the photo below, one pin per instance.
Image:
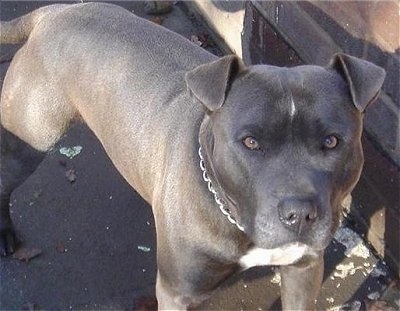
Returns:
(96, 236)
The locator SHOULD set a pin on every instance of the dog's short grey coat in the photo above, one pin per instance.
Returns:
(281, 146)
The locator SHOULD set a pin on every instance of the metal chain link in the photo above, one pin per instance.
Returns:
(218, 200)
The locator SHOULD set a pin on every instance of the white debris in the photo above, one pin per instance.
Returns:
(353, 243)
(195, 40)
(344, 270)
(330, 300)
(353, 306)
(71, 152)
(276, 279)
(144, 248)
(374, 296)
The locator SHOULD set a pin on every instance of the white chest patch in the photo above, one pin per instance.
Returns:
(280, 256)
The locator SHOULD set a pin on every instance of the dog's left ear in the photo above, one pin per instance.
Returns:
(210, 83)
(364, 78)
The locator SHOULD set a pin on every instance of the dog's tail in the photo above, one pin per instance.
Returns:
(18, 29)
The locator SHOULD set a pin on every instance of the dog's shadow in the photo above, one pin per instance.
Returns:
(254, 289)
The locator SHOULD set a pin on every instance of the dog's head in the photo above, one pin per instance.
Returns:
(283, 146)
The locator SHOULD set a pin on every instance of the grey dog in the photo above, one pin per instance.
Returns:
(243, 166)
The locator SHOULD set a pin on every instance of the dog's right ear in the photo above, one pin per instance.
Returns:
(364, 78)
(210, 83)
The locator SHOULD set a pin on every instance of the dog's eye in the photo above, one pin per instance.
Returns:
(330, 142)
(251, 143)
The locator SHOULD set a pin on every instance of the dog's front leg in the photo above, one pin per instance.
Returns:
(166, 299)
(301, 283)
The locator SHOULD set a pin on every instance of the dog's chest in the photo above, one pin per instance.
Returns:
(284, 255)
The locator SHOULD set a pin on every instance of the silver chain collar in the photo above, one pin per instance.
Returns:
(218, 200)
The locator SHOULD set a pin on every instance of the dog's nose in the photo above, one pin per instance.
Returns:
(298, 214)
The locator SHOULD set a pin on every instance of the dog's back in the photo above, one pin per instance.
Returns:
(91, 48)
(93, 60)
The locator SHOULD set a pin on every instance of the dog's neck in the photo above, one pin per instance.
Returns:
(219, 197)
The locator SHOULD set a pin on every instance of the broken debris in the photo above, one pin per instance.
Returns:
(26, 254)
(144, 249)
(157, 19)
(353, 243)
(351, 306)
(71, 152)
(344, 270)
(70, 175)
